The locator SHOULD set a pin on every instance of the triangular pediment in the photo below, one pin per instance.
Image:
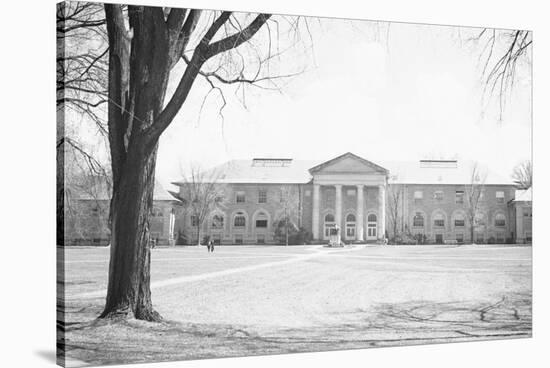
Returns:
(348, 163)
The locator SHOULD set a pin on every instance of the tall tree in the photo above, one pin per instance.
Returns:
(523, 175)
(81, 88)
(201, 194)
(284, 225)
(472, 197)
(141, 59)
(395, 215)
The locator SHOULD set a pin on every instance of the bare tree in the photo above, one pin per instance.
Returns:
(285, 225)
(395, 215)
(523, 175)
(201, 194)
(502, 53)
(473, 194)
(81, 88)
(145, 44)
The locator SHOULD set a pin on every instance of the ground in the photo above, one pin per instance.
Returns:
(256, 300)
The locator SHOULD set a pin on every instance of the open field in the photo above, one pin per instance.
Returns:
(252, 300)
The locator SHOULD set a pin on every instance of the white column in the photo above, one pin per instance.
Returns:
(315, 220)
(359, 220)
(338, 205)
(381, 211)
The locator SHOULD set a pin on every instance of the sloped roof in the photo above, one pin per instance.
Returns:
(246, 171)
(524, 195)
(450, 172)
(97, 188)
(298, 172)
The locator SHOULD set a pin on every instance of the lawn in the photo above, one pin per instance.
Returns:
(256, 300)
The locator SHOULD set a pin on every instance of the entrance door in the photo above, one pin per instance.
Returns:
(372, 225)
(328, 225)
(350, 227)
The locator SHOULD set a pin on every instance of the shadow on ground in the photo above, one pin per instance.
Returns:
(106, 342)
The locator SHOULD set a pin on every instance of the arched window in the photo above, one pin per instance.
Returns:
(500, 220)
(261, 220)
(418, 220)
(240, 220)
(439, 220)
(329, 224)
(459, 220)
(217, 222)
(350, 226)
(372, 225)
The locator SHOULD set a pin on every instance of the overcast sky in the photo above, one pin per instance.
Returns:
(406, 93)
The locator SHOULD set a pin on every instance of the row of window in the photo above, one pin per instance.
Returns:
(459, 220)
(459, 196)
(239, 221)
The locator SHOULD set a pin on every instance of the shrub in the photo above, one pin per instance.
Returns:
(181, 239)
(491, 240)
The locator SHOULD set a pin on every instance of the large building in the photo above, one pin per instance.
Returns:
(428, 201)
(86, 214)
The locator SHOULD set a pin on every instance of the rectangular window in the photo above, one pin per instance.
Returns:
(239, 197)
(500, 196)
(460, 238)
(439, 238)
(418, 220)
(527, 212)
(238, 239)
(528, 236)
(500, 222)
(194, 221)
(262, 196)
(439, 222)
(260, 239)
(459, 222)
(438, 195)
(261, 223)
(459, 197)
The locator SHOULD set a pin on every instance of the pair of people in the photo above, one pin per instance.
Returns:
(210, 246)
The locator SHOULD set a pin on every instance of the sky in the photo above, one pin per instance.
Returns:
(384, 92)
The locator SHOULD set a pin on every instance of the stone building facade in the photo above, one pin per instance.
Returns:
(356, 195)
(87, 213)
(521, 215)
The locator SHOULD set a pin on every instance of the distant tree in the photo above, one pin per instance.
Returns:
(472, 197)
(201, 194)
(285, 225)
(395, 215)
(523, 175)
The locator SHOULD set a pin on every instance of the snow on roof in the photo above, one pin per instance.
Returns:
(289, 171)
(524, 195)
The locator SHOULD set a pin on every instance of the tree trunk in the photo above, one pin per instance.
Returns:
(198, 235)
(129, 269)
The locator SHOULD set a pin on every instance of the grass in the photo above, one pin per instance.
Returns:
(259, 300)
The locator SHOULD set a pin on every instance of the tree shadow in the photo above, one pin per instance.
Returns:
(410, 323)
